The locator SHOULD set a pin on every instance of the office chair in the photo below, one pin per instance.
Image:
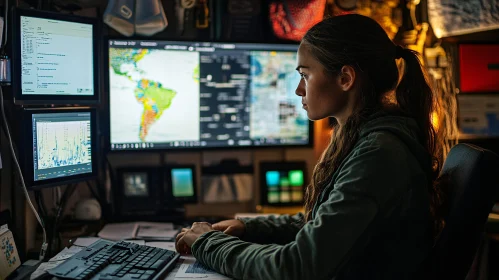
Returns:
(473, 173)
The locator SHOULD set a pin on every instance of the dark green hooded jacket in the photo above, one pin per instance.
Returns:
(371, 222)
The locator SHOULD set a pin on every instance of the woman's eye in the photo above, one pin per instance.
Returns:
(303, 75)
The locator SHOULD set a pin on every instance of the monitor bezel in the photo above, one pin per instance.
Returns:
(19, 98)
(107, 86)
(26, 150)
(281, 166)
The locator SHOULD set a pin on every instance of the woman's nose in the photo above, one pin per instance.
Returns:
(300, 90)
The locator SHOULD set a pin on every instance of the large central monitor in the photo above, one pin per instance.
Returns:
(59, 146)
(167, 95)
(55, 58)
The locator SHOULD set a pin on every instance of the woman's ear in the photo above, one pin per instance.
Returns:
(346, 77)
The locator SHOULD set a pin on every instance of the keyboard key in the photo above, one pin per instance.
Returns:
(157, 264)
(106, 277)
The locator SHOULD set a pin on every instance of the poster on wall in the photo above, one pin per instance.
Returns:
(451, 17)
(479, 115)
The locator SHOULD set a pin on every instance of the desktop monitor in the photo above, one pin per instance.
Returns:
(55, 58)
(187, 95)
(59, 146)
(137, 191)
(282, 183)
(146, 191)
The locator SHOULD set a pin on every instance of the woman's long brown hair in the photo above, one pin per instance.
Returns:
(360, 42)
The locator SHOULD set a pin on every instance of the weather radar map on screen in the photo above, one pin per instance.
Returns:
(187, 94)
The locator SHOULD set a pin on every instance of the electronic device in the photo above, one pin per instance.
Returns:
(187, 95)
(282, 183)
(58, 146)
(138, 191)
(180, 185)
(147, 191)
(55, 58)
(228, 181)
(117, 260)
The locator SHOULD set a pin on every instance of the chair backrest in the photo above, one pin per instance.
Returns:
(473, 174)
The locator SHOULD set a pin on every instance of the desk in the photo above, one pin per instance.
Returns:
(179, 272)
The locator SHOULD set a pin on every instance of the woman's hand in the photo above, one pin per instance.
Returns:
(187, 236)
(231, 227)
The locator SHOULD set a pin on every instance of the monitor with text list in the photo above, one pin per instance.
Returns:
(187, 95)
(55, 58)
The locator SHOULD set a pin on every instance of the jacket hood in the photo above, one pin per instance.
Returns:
(405, 128)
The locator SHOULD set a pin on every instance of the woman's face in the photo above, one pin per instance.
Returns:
(323, 94)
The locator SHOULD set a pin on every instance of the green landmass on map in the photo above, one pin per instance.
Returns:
(155, 100)
(118, 57)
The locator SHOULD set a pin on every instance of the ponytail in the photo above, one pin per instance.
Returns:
(416, 99)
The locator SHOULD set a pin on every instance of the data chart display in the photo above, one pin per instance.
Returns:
(61, 145)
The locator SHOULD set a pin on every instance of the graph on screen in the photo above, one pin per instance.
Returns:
(63, 143)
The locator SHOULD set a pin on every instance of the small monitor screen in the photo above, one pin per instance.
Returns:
(56, 57)
(61, 144)
(136, 184)
(182, 182)
(284, 187)
(178, 95)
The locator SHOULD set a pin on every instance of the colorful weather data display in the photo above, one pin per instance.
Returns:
(62, 144)
(168, 95)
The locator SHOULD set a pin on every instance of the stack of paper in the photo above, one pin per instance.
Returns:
(138, 230)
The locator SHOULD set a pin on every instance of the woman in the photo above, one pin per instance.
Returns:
(367, 210)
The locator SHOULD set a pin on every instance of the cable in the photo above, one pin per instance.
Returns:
(5, 25)
(59, 212)
(26, 194)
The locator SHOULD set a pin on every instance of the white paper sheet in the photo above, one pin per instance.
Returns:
(44, 267)
(162, 245)
(55, 261)
(123, 231)
(66, 253)
(85, 241)
(157, 232)
(119, 231)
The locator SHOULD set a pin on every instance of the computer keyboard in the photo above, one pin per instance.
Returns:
(107, 260)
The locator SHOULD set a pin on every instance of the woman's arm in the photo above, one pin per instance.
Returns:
(371, 177)
(272, 229)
